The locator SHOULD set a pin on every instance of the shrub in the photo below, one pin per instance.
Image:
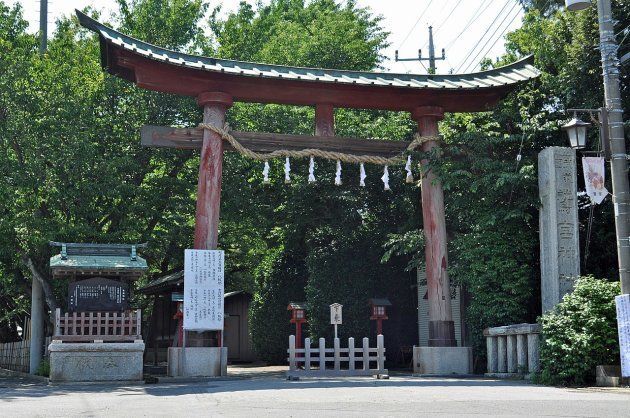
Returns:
(44, 368)
(281, 279)
(580, 333)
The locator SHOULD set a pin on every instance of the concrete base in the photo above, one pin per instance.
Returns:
(610, 376)
(96, 362)
(442, 360)
(197, 361)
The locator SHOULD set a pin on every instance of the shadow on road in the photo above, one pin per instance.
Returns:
(13, 392)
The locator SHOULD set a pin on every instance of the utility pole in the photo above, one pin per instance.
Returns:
(37, 299)
(431, 57)
(618, 156)
(43, 26)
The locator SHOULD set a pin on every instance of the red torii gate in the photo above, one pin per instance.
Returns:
(216, 83)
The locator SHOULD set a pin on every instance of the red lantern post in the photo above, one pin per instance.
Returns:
(298, 317)
(379, 313)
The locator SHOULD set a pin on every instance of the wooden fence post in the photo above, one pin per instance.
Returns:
(351, 359)
(337, 345)
(380, 352)
(307, 354)
(292, 352)
(322, 354)
(366, 353)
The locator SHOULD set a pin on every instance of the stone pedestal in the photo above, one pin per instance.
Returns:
(197, 361)
(502, 358)
(559, 240)
(442, 360)
(95, 362)
(533, 352)
(512, 365)
(513, 351)
(493, 354)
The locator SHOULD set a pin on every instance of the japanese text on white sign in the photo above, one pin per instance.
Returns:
(623, 324)
(203, 290)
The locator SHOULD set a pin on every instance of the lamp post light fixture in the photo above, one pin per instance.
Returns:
(574, 5)
(576, 130)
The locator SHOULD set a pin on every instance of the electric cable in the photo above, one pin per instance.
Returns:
(473, 62)
(461, 64)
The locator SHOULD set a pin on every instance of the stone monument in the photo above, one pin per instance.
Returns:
(99, 338)
(559, 237)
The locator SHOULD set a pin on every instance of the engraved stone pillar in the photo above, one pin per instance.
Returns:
(493, 355)
(559, 240)
(511, 354)
(521, 352)
(502, 351)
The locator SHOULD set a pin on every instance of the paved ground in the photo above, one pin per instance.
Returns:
(271, 395)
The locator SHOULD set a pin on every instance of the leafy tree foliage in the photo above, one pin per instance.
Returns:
(580, 333)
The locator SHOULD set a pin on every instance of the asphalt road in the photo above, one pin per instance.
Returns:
(274, 396)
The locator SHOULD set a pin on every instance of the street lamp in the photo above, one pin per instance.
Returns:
(576, 130)
(613, 128)
(574, 5)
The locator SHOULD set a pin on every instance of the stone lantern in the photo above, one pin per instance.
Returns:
(576, 130)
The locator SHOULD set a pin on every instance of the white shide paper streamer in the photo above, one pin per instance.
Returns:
(287, 170)
(385, 178)
(311, 170)
(362, 175)
(338, 174)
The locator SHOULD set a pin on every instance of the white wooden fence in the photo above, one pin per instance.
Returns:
(16, 355)
(310, 361)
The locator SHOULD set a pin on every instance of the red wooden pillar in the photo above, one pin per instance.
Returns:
(324, 120)
(441, 325)
(379, 326)
(215, 104)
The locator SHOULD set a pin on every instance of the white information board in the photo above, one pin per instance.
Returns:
(335, 314)
(203, 290)
(623, 325)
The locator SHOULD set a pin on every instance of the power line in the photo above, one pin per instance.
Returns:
(473, 62)
(472, 51)
(466, 61)
(447, 17)
(415, 24)
(479, 11)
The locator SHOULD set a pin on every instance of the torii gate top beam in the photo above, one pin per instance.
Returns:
(159, 69)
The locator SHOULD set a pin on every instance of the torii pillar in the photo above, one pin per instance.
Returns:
(215, 105)
(441, 325)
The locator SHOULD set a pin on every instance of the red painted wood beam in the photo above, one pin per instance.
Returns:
(324, 120)
(159, 76)
(215, 104)
(441, 325)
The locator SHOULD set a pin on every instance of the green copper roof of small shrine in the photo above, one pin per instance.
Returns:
(97, 259)
(515, 73)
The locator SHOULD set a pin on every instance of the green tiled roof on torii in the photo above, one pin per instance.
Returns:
(159, 69)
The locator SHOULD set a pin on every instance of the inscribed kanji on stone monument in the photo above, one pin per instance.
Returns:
(203, 290)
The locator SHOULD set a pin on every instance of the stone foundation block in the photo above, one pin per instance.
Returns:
(197, 361)
(95, 362)
(442, 360)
